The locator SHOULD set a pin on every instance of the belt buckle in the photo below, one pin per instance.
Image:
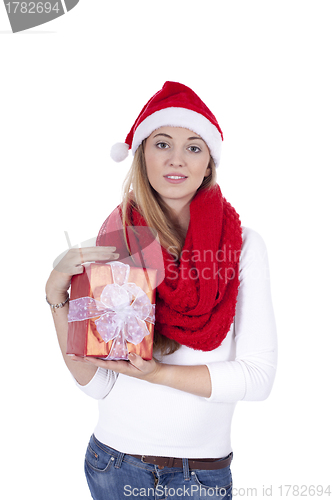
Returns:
(143, 459)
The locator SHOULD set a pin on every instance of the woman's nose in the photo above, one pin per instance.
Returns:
(176, 158)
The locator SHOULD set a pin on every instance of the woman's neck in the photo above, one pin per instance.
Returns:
(180, 214)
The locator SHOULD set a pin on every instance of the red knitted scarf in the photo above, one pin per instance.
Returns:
(196, 301)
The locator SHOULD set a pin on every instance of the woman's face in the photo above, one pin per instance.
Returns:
(177, 161)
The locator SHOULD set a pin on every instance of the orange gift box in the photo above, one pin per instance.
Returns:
(111, 311)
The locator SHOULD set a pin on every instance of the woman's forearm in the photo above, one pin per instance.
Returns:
(56, 292)
(83, 373)
(192, 379)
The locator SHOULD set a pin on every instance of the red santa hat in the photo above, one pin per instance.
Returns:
(174, 106)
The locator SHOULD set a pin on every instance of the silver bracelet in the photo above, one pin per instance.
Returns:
(57, 306)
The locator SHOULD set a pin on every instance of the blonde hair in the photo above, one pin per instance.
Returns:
(138, 193)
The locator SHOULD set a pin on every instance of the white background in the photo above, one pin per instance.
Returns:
(73, 87)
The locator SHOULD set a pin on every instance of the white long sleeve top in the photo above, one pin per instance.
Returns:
(141, 418)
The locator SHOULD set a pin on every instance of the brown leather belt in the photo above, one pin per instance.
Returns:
(193, 463)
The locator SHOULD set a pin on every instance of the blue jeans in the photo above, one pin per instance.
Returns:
(112, 475)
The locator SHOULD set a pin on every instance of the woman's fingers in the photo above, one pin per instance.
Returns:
(116, 366)
(136, 367)
(89, 254)
(77, 270)
(72, 262)
(138, 362)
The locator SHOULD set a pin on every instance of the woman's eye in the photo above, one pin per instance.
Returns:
(194, 149)
(162, 145)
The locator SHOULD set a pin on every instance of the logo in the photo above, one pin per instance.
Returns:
(25, 15)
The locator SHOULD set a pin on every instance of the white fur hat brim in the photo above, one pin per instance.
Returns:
(180, 117)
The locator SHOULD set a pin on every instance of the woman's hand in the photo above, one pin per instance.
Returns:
(56, 292)
(192, 379)
(72, 264)
(136, 366)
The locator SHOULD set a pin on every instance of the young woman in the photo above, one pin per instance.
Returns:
(164, 424)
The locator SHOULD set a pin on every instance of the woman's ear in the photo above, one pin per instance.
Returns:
(208, 171)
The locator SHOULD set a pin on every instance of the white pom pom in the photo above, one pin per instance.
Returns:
(119, 151)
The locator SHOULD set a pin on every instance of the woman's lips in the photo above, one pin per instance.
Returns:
(174, 178)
